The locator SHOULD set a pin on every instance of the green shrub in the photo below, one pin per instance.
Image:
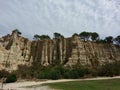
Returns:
(94, 73)
(74, 74)
(11, 78)
(51, 74)
(3, 73)
(66, 74)
(55, 74)
(110, 69)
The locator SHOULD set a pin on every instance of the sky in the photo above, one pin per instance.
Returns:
(62, 16)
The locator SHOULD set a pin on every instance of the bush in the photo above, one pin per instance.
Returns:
(11, 78)
(51, 74)
(67, 75)
(58, 72)
(74, 74)
(3, 73)
(94, 73)
(110, 69)
(55, 74)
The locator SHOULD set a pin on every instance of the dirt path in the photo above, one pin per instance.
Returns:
(20, 85)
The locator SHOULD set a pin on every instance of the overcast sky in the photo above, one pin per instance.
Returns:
(63, 16)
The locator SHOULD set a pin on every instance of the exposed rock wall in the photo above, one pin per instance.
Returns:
(16, 50)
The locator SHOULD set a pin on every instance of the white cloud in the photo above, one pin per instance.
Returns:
(64, 16)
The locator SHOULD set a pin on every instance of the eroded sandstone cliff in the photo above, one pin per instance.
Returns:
(16, 50)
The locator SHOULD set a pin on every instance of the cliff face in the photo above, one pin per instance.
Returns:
(16, 50)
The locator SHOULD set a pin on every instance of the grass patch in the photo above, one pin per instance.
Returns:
(113, 84)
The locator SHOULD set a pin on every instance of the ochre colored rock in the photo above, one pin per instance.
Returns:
(16, 50)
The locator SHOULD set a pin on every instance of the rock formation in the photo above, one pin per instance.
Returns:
(16, 50)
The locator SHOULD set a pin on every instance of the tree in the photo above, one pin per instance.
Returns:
(94, 36)
(58, 35)
(109, 39)
(40, 37)
(17, 31)
(36, 37)
(117, 40)
(85, 35)
(44, 37)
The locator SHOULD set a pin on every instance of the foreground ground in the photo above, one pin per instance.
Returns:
(104, 83)
(113, 84)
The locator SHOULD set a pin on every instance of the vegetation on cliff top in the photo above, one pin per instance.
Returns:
(85, 36)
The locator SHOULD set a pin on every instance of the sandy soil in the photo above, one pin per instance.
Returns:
(22, 84)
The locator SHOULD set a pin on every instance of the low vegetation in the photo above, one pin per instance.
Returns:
(59, 72)
(10, 77)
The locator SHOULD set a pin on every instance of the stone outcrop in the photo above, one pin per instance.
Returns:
(16, 50)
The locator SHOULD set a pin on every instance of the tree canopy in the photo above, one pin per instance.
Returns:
(94, 36)
(109, 39)
(40, 37)
(58, 35)
(117, 40)
(89, 35)
(85, 35)
(18, 32)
